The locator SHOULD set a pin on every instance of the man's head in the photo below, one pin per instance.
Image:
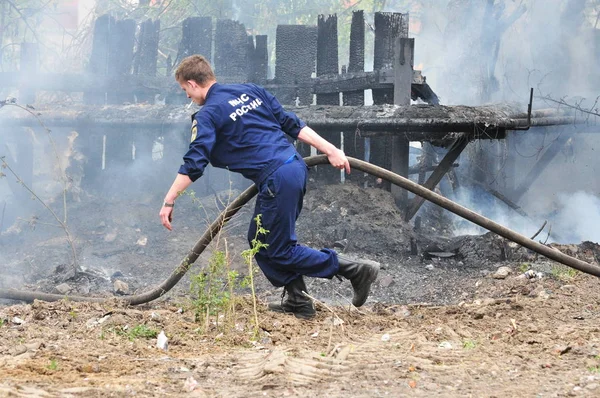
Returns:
(195, 76)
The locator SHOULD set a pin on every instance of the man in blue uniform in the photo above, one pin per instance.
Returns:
(241, 127)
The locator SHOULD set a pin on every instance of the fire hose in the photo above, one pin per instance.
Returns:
(215, 227)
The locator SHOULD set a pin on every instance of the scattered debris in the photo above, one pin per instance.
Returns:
(120, 287)
(502, 273)
(63, 288)
(162, 341)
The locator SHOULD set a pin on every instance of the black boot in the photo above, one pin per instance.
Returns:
(296, 302)
(362, 273)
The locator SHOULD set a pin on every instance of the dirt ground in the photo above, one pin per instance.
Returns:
(440, 322)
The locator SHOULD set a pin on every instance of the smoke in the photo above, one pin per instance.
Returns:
(579, 217)
(473, 53)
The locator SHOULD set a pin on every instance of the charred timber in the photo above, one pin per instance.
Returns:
(417, 122)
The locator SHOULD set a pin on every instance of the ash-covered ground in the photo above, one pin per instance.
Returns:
(118, 239)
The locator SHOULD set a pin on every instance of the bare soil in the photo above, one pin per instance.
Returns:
(438, 322)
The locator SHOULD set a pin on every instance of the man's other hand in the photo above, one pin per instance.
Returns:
(338, 160)
(166, 216)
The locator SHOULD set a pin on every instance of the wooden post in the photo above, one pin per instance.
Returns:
(354, 143)
(144, 62)
(356, 62)
(403, 75)
(327, 64)
(99, 57)
(231, 50)
(260, 60)
(327, 55)
(296, 53)
(388, 27)
(120, 57)
(112, 55)
(196, 38)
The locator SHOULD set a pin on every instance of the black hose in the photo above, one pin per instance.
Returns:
(249, 193)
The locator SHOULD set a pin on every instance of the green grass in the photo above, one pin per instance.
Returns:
(53, 364)
(139, 331)
(594, 369)
(564, 273)
(469, 344)
(524, 267)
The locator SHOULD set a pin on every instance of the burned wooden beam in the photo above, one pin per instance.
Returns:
(434, 179)
(416, 122)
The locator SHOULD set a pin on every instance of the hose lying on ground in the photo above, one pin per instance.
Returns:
(249, 193)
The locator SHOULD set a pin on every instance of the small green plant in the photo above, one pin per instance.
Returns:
(142, 331)
(469, 344)
(73, 314)
(564, 273)
(248, 255)
(2, 322)
(209, 290)
(524, 267)
(594, 369)
(53, 365)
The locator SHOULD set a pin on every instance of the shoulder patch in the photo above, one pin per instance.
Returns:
(194, 130)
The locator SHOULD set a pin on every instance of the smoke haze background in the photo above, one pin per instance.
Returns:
(471, 54)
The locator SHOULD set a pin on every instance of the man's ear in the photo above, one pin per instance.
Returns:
(192, 83)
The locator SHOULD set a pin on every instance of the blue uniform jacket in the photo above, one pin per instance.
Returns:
(240, 127)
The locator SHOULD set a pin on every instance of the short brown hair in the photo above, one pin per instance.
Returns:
(195, 67)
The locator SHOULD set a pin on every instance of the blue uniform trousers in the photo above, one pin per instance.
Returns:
(279, 202)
